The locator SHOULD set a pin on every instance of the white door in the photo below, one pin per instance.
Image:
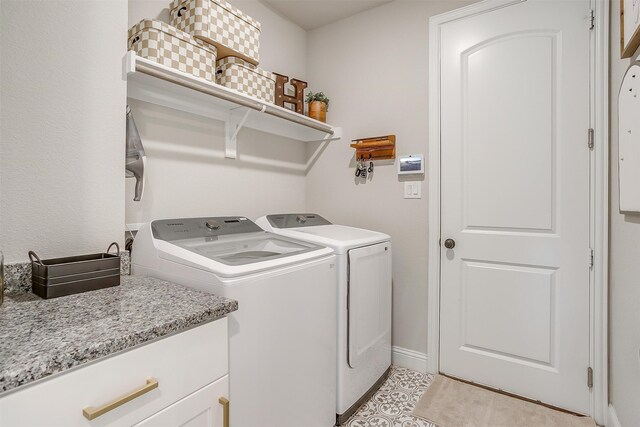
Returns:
(515, 200)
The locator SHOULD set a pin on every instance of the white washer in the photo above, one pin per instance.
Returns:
(364, 301)
(282, 339)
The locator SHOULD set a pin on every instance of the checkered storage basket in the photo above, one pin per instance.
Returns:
(169, 46)
(217, 22)
(237, 74)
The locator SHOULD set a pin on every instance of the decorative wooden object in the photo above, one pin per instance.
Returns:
(376, 148)
(282, 98)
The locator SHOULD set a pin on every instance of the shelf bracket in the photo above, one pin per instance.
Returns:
(128, 64)
(231, 128)
(337, 134)
(321, 147)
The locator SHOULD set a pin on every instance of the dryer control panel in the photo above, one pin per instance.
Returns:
(296, 220)
(189, 228)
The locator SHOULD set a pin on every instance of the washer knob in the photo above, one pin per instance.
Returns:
(301, 218)
(212, 224)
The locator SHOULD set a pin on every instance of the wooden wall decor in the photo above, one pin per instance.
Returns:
(282, 98)
(375, 148)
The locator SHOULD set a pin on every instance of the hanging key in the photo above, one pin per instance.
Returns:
(363, 168)
(360, 168)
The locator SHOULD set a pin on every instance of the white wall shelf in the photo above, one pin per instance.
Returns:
(157, 84)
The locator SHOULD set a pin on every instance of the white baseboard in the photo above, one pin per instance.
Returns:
(613, 418)
(409, 359)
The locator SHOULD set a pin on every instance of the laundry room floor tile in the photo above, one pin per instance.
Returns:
(392, 404)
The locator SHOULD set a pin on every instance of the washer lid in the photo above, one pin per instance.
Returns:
(247, 249)
(338, 237)
(228, 246)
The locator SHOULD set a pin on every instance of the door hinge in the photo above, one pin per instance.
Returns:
(591, 258)
(592, 19)
(590, 377)
(590, 139)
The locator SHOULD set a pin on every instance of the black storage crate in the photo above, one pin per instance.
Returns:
(57, 277)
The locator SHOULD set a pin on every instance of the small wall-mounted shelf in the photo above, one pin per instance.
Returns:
(157, 84)
(376, 148)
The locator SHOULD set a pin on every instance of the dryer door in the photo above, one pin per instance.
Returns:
(369, 302)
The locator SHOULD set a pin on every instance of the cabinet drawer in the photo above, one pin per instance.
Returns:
(181, 364)
(200, 409)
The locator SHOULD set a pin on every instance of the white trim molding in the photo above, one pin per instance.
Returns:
(433, 272)
(600, 409)
(613, 418)
(600, 211)
(410, 359)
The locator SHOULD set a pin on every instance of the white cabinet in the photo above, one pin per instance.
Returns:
(185, 365)
(200, 409)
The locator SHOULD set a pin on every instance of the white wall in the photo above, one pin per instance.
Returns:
(62, 126)
(187, 174)
(374, 68)
(624, 269)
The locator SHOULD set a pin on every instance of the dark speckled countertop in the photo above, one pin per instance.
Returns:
(40, 337)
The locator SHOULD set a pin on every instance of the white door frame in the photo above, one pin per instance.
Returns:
(599, 193)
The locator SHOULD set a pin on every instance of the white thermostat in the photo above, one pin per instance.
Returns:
(410, 164)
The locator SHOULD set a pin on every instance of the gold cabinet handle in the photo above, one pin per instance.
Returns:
(91, 413)
(225, 411)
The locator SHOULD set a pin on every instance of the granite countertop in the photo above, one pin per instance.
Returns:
(40, 337)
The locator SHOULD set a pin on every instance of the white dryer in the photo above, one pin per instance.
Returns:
(282, 338)
(364, 301)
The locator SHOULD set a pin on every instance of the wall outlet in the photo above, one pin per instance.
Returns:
(413, 190)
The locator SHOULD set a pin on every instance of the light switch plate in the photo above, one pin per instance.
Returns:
(413, 190)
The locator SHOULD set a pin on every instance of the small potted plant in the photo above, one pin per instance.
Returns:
(318, 106)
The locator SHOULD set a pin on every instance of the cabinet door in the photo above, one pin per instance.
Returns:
(200, 409)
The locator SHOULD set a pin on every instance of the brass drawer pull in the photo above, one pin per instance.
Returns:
(225, 411)
(91, 413)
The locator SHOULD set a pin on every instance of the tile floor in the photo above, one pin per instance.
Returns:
(392, 404)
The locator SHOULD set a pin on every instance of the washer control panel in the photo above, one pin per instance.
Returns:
(296, 220)
(189, 228)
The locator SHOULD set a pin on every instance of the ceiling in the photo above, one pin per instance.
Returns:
(311, 14)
